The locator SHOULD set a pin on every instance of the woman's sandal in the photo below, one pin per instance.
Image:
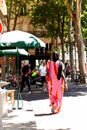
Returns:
(55, 110)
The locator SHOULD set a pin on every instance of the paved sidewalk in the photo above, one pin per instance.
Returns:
(20, 119)
(36, 114)
(73, 115)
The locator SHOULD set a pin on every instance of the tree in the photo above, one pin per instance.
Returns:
(15, 9)
(76, 16)
(84, 18)
(52, 15)
(71, 38)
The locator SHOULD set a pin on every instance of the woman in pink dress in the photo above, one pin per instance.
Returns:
(55, 81)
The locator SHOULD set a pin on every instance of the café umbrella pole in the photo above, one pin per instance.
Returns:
(19, 97)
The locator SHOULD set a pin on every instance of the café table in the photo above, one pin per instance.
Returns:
(4, 84)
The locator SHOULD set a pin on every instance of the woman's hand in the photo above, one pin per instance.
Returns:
(66, 86)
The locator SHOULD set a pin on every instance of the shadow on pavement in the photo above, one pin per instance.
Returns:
(76, 89)
(31, 125)
(37, 93)
(34, 96)
(43, 114)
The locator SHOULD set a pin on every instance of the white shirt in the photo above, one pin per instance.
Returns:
(42, 70)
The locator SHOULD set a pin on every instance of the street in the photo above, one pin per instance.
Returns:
(36, 114)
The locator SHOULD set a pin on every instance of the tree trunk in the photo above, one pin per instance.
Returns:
(79, 40)
(71, 49)
(63, 54)
(9, 16)
(80, 46)
(53, 43)
(76, 16)
(62, 37)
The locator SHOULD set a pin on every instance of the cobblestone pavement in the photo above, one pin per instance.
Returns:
(36, 115)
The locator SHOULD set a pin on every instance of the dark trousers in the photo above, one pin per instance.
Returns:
(24, 81)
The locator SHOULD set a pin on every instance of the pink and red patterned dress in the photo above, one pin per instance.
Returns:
(55, 86)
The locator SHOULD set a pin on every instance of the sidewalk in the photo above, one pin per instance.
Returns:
(36, 114)
(20, 119)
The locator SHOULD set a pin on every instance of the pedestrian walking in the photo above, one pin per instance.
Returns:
(67, 70)
(42, 72)
(56, 82)
(25, 78)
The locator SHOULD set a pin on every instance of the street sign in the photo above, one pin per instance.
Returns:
(1, 27)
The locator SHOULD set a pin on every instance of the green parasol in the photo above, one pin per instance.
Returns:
(12, 52)
(20, 39)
